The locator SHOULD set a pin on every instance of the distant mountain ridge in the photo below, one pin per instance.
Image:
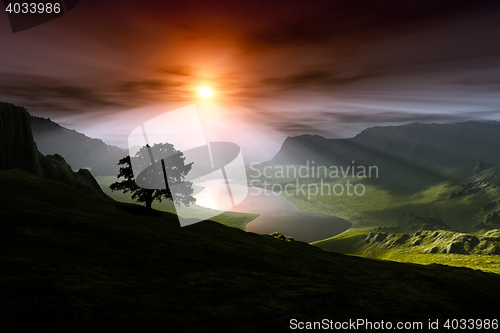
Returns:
(428, 148)
(79, 150)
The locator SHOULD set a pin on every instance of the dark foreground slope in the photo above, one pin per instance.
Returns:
(71, 262)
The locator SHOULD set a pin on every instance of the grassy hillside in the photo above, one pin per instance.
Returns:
(381, 205)
(231, 219)
(74, 262)
(477, 251)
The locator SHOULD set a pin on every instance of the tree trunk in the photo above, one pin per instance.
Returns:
(149, 199)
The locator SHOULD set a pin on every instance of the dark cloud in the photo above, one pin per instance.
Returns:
(328, 123)
(298, 128)
(314, 79)
(183, 71)
(146, 86)
(343, 23)
(486, 83)
(362, 117)
(57, 95)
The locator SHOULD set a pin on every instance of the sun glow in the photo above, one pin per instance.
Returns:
(205, 92)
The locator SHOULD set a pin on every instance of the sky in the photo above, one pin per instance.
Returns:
(277, 68)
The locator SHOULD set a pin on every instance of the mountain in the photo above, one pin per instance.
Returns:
(432, 151)
(19, 151)
(72, 262)
(485, 182)
(444, 143)
(78, 150)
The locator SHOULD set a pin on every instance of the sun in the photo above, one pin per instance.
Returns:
(205, 92)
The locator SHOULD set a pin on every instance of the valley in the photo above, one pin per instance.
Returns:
(425, 173)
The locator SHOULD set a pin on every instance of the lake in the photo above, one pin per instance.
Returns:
(276, 213)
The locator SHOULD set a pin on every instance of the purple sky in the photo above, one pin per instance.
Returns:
(278, 68)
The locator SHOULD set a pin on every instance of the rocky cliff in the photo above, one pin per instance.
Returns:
(19, 151)
(17, 148)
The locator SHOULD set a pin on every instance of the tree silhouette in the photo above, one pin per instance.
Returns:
(156, 176)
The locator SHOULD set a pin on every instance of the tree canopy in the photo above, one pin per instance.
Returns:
(156, 176)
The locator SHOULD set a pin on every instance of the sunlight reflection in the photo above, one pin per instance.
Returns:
(214, 195)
